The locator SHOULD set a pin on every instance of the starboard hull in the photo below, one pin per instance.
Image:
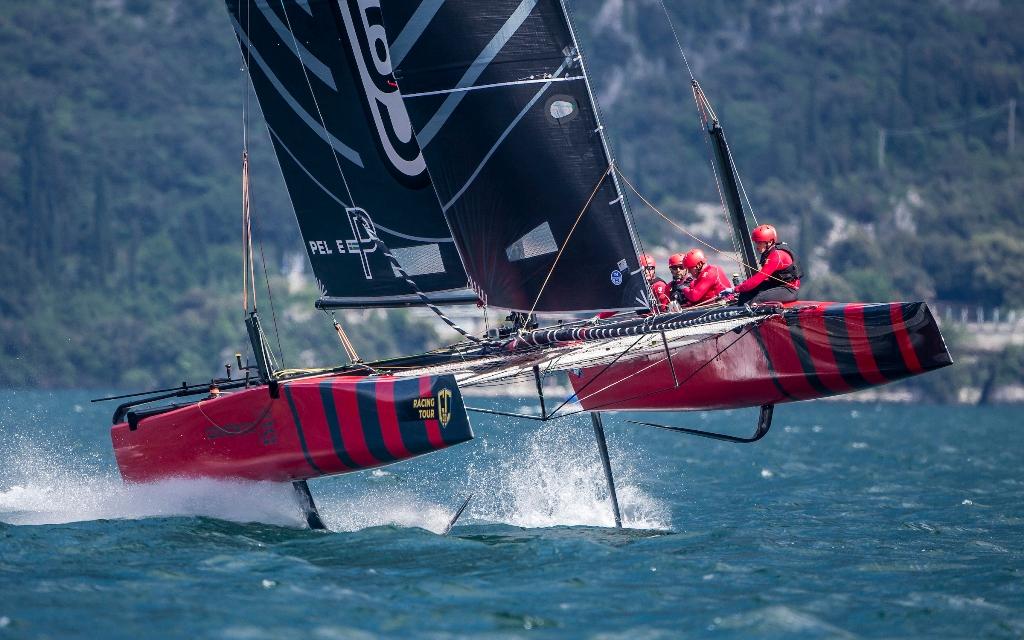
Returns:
(811, 350)
(306, 428)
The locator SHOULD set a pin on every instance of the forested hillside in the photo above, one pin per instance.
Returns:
(803, 89)
(121, 132)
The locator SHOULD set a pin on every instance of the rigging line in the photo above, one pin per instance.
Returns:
(683, 229)
(565, 243)
(739, 180)
(362, 217)
(270, 352)
(599, 374)
(732, 158)
(668, 17)
(245, 260)
(511, 83)
(620, 401)
(627, 377)
(246, 60)
(948, 125)
(346, 344)
(316, 103)
(706, 111)
(682, 53)
(659, 391)
(248, 230)
(248, 259)
(248, 269)
(270, 294)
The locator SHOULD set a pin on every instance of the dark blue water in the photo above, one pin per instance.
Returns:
(846, 521)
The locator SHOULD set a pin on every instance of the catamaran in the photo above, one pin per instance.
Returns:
(441, 152)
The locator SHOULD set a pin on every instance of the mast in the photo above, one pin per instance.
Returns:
(728, 184)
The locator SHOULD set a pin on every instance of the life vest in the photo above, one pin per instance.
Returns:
(789, 274)
(660, 293)
(676, 289)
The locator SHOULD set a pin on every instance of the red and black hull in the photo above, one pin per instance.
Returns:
(296, 430)
(810, 350)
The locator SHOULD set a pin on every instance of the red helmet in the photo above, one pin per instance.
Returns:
(764, 233)
(646, 260)
(675, 260)
(693, 258)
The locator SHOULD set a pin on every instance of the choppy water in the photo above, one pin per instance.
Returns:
(846, 521)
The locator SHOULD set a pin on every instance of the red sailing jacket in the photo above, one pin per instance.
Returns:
(776, 260)
(706, 286)
(660, 289)
(660, 292)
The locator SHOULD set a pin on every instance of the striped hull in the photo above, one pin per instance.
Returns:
(313, 427)
(810, 350)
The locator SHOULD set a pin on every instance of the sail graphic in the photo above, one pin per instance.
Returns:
(322, 74)
(502, 111)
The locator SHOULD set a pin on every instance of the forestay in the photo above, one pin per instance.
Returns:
(502, 111)
(322, 74)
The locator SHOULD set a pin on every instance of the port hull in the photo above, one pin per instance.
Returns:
(296, 430)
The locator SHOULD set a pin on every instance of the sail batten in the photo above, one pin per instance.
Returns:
(498, 97)
(314, 125)
(318, 68)
(474, 70)
(413, 30)
(345, 144)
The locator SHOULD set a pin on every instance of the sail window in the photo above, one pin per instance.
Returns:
(419, 260)
(562, 108)
(538, 242)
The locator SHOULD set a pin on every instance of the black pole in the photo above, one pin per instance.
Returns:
(764, 423)
(259, 347)
(458, 513)
(602, 446)
(540, 391)
(308, 506)
(731, 194)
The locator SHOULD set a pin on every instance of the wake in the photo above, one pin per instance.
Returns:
(544, 478)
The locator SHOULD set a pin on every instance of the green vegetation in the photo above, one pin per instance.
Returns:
(803, 90)
(121, 133)
(120, 145)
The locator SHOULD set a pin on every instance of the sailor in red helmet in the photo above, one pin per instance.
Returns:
(659, 288)
(705, 280)
(778, 279)
(680, 278)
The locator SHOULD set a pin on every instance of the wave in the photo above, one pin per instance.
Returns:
(546, 477)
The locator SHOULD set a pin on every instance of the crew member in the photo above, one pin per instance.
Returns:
(680, 278)
(778, 279)
(659, 288)
(705, 281)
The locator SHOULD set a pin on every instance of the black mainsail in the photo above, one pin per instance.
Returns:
(322, 74)
(502, 110)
